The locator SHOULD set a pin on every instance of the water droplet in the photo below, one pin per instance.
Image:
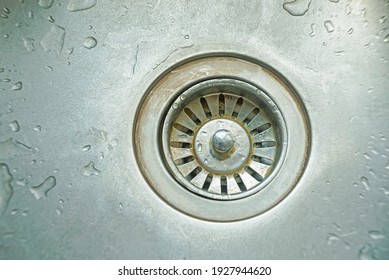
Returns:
(54, 39)
(11, 148)
(385, 191)
(14, 125)
(186, 36)
(329, 26)
(348, 9)
(297, 7)
(58, 211)
(51, 19)
(22, 182)
(31, 14)
(29, 44)
(6, 10)
(350, 31)
(61, 201)
(112, 144)
(14, 211)
(90, 169)
(86, 148)
(339, 53)
(386, 39)
(366, 155)
(17, 86)
(332, 238)
(99, 134)
(90, 42)
(328, 182)
(4, 16)
(199, 147)
(6, 190)
(334, 1)
(382, 19)
(365, 183)
(80, 5)
(313, 30)
(48, 67)
(6, 80)
(367, 45)
(42, 189)
(70, 50)
(120, 206)
(175, 106)
(366, 253)
(25, 213)
(38, 128)
(375, 234)
(2, 69)
(45, 4)
(338, 228)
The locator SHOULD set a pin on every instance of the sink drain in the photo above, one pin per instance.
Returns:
(223, 138)
(230, 135)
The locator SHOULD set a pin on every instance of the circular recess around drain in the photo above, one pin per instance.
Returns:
(221, 137)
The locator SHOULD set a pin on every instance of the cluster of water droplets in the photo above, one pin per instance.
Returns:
(299, 8)
(373, 181)
(15, 147)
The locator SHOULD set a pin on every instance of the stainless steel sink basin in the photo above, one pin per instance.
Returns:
(74, 76)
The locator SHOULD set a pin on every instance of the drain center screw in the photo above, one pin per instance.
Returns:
(223, 141)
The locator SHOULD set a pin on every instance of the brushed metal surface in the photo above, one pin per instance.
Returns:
(71, 80)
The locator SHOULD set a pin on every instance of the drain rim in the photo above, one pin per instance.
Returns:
(249, 93)
(146, 130)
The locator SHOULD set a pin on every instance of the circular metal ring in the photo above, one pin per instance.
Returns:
(231, 107)
(208, 77)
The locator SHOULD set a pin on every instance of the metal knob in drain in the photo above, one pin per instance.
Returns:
(222, 141)
(221, 137)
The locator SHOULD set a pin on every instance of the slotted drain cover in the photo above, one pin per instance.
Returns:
(221, 138)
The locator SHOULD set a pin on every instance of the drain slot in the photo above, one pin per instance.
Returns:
(237, 107)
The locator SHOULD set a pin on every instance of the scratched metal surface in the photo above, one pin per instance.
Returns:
(72, 74)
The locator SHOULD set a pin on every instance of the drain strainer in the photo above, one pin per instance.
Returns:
(221, 137)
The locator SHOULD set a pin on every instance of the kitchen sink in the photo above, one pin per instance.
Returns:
(166, 129)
